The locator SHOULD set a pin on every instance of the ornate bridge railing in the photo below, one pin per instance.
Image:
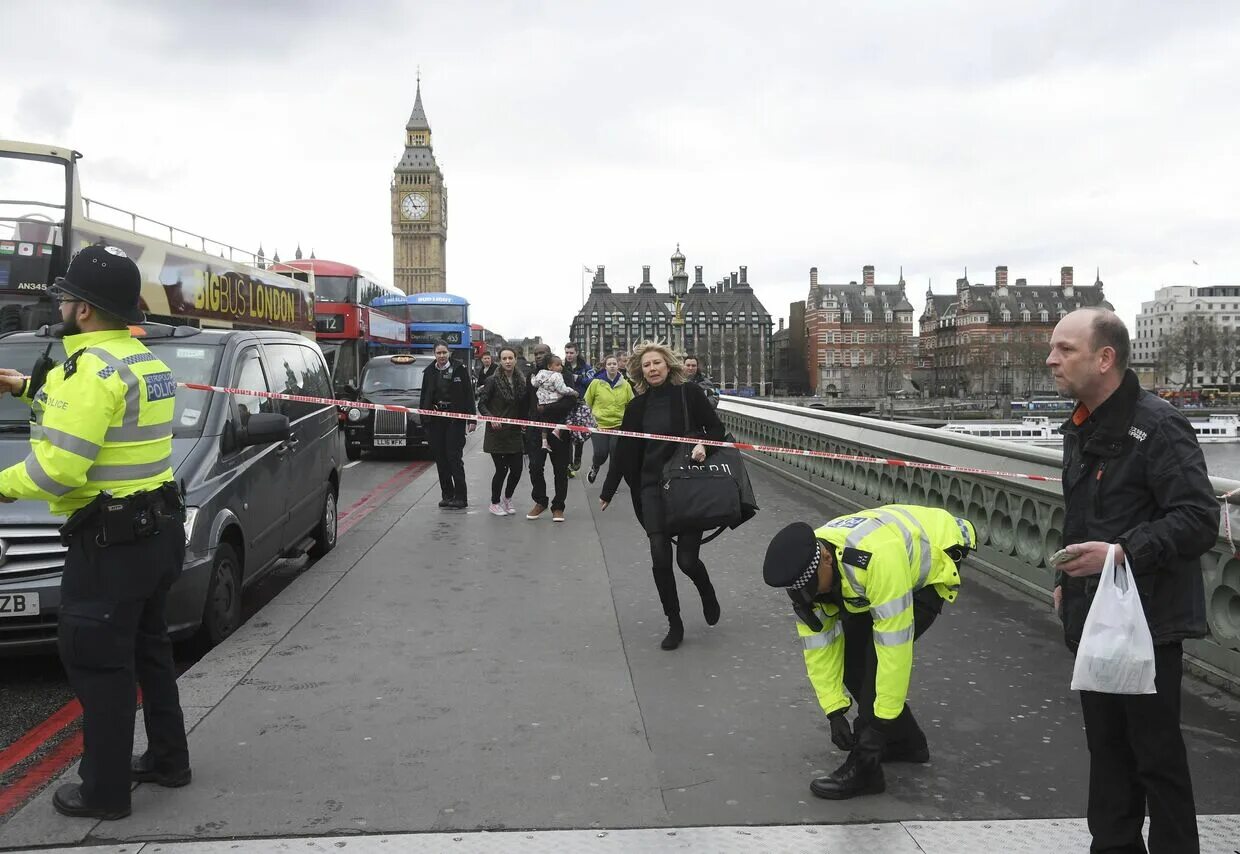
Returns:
(1018, 522)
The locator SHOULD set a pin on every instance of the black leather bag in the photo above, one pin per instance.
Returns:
(703, 496)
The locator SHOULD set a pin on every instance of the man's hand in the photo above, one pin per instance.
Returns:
(471, 426)
(11, 381)
(602, 504)
(1088, 558)
(841, 733)
(698, 453)
(4, 499)
(1058, 597)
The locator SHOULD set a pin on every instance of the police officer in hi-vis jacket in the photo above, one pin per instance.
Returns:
(864, 586)
(101, 454)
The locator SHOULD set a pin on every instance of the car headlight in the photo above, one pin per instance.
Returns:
(191, 516)
(355, 414)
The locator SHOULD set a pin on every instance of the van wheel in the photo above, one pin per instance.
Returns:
(352, 453)
(325, 534)
(222, 613)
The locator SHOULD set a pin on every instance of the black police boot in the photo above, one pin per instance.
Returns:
(447, 502)
(142, 769)
(675, 633)
(850, 780)
(68, 801)
(909, 750)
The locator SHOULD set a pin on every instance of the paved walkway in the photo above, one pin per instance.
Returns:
(449, 673)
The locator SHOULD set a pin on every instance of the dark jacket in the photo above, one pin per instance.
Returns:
(460, 395)
(554, 412)
(582, 373)
(1133, 474)
(485, 374)
(503, 438)
(626, 461)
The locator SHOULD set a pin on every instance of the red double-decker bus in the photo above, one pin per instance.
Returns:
(347, 329)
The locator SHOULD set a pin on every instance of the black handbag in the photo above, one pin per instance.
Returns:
(703, 496)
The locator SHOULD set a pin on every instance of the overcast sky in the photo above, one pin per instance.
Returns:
(782, 136)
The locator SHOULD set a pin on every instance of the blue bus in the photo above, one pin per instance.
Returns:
(431, 318)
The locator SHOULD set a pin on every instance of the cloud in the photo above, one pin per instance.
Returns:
(46, 110)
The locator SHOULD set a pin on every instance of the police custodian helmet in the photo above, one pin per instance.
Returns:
(106, 278)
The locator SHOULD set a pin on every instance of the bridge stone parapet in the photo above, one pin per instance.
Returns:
(1019, 522)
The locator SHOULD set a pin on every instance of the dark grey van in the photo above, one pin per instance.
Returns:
(256, 491)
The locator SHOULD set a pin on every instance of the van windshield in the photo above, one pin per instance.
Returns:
(189, 362)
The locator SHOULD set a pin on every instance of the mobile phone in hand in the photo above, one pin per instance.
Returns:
(1061, 556)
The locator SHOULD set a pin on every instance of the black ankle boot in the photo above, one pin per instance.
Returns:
(675, 633)
(710, 605)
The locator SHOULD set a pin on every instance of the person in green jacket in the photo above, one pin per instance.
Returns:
(607, 396)
(101, 454)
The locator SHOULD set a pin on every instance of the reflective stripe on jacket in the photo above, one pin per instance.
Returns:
(882, 556)
(107, 426)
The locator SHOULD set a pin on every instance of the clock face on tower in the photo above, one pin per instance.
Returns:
(414, 206)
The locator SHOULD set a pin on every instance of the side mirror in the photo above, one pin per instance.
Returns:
(263, 428)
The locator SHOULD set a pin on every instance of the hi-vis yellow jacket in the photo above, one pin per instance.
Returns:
(106, 426)
(882, 557)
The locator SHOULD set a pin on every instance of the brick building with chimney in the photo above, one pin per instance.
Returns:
(994, 339)
(859, 338)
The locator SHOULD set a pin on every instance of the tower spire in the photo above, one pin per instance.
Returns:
(417, 119)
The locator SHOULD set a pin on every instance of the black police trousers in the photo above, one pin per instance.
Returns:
(112, 633)
(1137, 757)
(446, 437)
(861, 667)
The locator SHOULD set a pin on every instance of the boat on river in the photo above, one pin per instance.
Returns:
(1042, 431)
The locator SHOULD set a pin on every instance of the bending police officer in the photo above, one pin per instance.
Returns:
(101, 453)
(864, 587)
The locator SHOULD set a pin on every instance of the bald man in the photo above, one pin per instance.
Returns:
(1133, 477)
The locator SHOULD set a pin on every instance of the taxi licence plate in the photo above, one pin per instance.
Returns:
(389, 443)
(19, 604)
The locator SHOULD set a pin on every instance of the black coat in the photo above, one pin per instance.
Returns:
(503, 438)
(554, 412)
(461, 394)
(1133, 474)
(485, 374)
(630, 454)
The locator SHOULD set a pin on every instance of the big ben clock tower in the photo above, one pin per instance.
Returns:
(419, 211)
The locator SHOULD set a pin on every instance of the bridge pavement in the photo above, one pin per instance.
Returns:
(447, 672)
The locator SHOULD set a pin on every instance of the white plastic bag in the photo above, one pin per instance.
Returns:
(1116, 655)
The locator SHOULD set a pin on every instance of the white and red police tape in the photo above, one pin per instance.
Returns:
(519, 422)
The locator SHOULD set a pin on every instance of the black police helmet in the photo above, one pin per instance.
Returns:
(106, 278)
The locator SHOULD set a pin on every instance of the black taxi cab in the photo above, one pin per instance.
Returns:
(394, 380)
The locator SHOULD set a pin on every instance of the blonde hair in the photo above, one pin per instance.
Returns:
(675, 367)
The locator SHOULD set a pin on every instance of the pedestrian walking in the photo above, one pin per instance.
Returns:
(865, 586)
(101, 454)
(558, 450)
(448, 387)
(1133, 476)
(693, 374)
(551, 387)
(607, 396)
(504, 396)
(582, 373)
(667, 405)
(486, 369)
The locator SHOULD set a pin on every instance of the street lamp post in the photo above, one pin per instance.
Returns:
(680, 287)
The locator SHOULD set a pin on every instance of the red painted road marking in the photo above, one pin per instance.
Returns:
(20, 750)
(25, 787)
(368, 502)
(29, 784)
